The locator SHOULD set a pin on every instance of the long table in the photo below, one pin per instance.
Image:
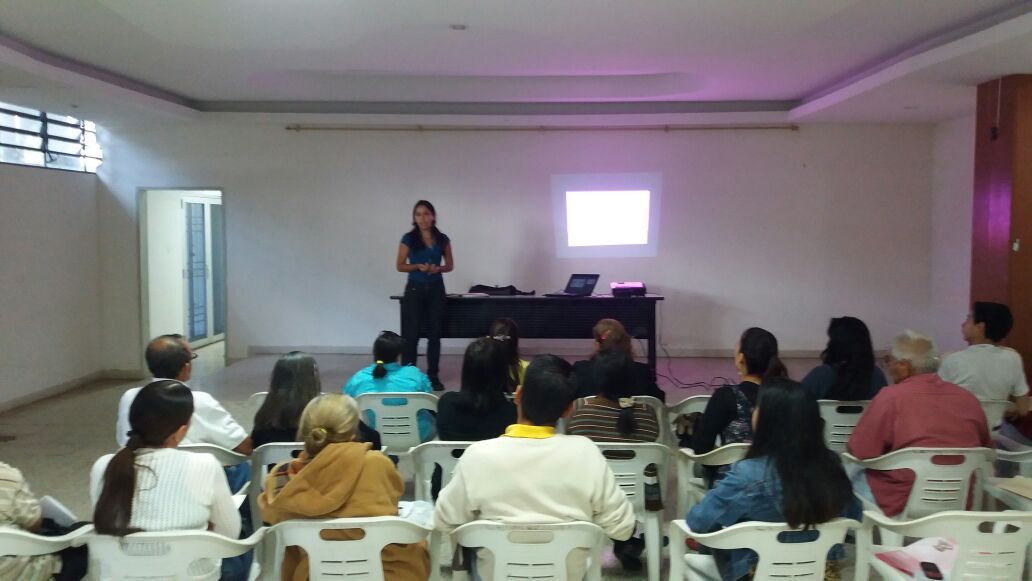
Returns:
(542, 317)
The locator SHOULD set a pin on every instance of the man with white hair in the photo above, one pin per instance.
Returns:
(919, 411)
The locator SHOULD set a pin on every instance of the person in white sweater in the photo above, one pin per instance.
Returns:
(531, 475)
(150, 486)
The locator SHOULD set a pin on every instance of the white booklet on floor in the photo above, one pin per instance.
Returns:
(57, 512)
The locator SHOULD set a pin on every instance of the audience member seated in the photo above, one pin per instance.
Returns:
(919, 411)
(789, 475)
(533, 475)
(388, 375)
(848, 371)
(613, 416)
(986, 368)
(170, 357)
(611, 334)
(19, 509)
(729, 412)
(507, 333)
(337, 477)
(150, 486)
(480, 409)
(295, 382)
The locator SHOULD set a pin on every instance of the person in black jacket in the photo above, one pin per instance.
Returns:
(611, 334)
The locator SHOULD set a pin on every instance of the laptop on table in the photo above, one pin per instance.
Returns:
(580, 285)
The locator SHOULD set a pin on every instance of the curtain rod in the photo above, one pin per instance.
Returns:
(539, 128)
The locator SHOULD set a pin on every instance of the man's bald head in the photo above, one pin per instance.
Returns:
(168, 357)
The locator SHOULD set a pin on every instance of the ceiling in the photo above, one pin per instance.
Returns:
(492, 61)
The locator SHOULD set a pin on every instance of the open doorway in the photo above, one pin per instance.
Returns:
(183, 264)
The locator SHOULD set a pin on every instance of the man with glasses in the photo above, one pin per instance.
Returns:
(170, 357)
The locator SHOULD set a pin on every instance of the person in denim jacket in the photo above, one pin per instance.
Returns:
(788, 475)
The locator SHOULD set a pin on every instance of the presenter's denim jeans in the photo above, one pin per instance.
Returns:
(423, 305)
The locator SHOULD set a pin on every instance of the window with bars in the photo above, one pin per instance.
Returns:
(31, 137)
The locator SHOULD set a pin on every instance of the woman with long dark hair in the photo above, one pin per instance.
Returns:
(847, 371)
(295, 382)
(150, 486)
(507, 333)
(729, 412)
(480, 409)
(420, 255)
(789, 475)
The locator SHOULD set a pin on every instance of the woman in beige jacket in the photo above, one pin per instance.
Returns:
(337, 477)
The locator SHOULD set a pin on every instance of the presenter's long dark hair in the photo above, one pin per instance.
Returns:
(159, 409)
(851, 355)
(415, 237)
(790, 433)
(386, 349)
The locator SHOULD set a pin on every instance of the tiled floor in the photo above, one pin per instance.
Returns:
(58, 439)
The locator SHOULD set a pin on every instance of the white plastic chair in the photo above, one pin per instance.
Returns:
(251, 406)
(425, 457)
(262, 457)
(666, 434)
(225, 457)
(688, 405)
(994, 410)
(538, 552)
(332, 560)
(398, 424)
(995, 552)
(20, 543)
(777, 559)
(170, 555)
(630, 477)
(937, 487)
(691, 488)
(840, 419)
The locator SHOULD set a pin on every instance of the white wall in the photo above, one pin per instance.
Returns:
(953, 177)
(773, 228)
(49, 289)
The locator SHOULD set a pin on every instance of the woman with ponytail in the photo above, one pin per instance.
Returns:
(388, 375)
(507, 333)
(612, 416)
(789, 475)
(729, 412)
(337, 477)
(150, 486)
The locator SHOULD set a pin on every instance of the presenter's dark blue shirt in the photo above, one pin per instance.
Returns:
(425, 255)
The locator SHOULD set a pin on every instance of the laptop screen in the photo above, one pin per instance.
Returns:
(582, 283)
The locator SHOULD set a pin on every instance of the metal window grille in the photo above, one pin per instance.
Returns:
(31, 137)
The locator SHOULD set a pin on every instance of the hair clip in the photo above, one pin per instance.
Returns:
(379, 362)
(626, 402)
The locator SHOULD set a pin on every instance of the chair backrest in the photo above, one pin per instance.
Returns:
(688, 405)
(225, 457)
(262, 457)
(781, 556)
(16, 542)
(535, 552)
(629, 468)
(347, 559)
(430, 454)
(990, 545)
(396, 416)
(840, 419)
(691, 488)
(666, 434)
(994, 410)
(171, 555)
(938, 486)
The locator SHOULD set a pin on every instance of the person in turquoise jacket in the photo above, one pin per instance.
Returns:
(388, 375)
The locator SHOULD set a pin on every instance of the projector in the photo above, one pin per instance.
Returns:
(627, 289)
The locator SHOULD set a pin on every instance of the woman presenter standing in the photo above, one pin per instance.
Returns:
(420, 255)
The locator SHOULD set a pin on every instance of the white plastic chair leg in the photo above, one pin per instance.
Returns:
(702, 568)
(653, 544)
(435, 555)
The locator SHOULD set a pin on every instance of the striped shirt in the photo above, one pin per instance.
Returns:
(597, 418)
(19, 509)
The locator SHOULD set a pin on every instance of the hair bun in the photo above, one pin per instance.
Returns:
(319, 434)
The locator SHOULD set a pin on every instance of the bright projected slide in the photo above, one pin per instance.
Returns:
(606, 215)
